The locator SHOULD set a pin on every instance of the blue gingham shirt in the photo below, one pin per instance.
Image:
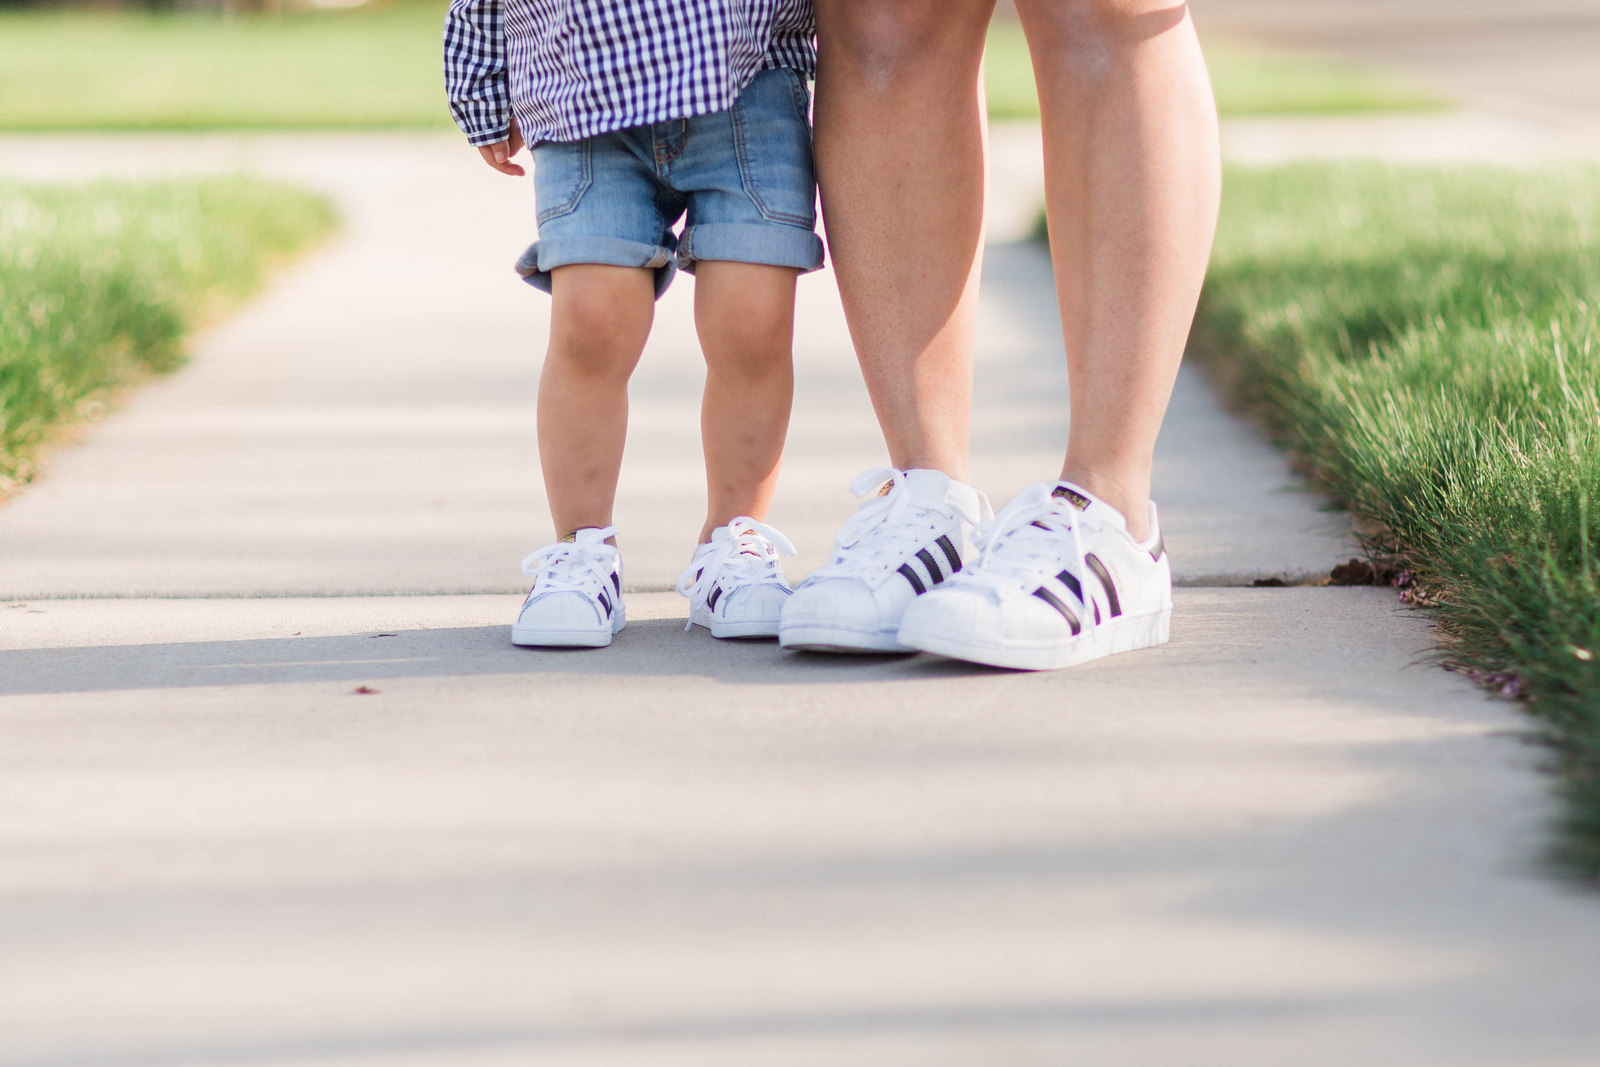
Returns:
(571, 69)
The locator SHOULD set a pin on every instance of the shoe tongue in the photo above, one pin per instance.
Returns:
(1072, 495)
(720, 536)
(1088, 503)
(927, 486)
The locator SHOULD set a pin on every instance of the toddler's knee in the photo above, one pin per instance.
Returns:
(752, 347)
(597, 326)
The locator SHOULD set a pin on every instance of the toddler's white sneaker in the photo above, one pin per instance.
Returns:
(576, 599)
(910, 536)
(735, 582)
(1058, 580)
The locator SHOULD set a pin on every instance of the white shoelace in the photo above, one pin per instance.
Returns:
(574, 566)
(885, 531)
(749, 555)
(1020, 548)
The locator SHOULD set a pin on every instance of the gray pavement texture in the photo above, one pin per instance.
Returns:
(1282, 838)
(274, 789)
(1530, 60)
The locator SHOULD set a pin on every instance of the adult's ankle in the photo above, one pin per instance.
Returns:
(1132, 501)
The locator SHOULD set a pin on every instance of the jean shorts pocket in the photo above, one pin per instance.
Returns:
(772, 134)
(562, 173)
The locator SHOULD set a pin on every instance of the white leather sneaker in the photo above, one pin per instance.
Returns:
(1057, 580)
(576, 599)
(735, 582)
(910, 536)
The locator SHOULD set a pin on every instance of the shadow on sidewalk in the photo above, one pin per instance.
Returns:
(806, 1027)
(651, 647)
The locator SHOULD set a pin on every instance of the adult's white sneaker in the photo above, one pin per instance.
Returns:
(1057, 580)
(911, 535)
(735, 582)
(576, 599)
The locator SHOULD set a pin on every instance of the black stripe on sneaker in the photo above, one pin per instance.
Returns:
(605, 602)
(716, 594)
(911, 576)
(950, 553)
(933, 569)
(1056, 602)
(1104, 575)
(1070, 580)
(616, 581)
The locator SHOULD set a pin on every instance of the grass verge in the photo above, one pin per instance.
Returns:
(1428, 343)
(110, 70)
(1250, 81)
(381, 68)
(99, 283)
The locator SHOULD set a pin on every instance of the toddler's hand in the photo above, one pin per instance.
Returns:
(499, 155)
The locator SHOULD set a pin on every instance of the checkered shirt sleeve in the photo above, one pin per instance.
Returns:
(475, 70)
(571, 69)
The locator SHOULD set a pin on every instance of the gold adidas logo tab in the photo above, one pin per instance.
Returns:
(1076, 499)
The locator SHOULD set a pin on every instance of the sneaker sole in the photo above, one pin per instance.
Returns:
(767, 628)
(746, 628)
(532, 637)
(817, 638)
(1124, 635)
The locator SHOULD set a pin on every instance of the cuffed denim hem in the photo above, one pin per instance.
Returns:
(542, 257)
(773, 244)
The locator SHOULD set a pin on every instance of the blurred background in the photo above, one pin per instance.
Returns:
(186, 64)
(301, 874)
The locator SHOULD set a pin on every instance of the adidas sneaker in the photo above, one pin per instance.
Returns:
(576, 599)
(1058, 580)
(735, 581)
(910, 536)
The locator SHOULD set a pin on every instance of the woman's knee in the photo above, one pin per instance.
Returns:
(885, 39)
(1076, 27)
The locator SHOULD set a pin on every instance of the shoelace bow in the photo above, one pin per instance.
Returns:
(750, 553)
(573, 566)
(1019, 549)
(860, 545)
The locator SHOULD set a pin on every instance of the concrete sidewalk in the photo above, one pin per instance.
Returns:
(1281, 838)
(1531, 62)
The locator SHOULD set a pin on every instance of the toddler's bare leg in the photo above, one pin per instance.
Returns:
(744, 313)
(598, 328)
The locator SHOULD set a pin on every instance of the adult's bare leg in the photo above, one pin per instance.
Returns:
(1133, 179)
(899, 147)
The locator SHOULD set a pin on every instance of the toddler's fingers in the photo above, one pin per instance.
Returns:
(505, 150)
(499, 157)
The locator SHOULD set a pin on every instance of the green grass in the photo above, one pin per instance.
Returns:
(1428, 342)
(381, 68)
(99, 283)
(1250, 80)
(327, 69)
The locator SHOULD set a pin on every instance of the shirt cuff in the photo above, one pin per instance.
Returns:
(479, 138)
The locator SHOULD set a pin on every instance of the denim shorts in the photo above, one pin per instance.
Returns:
(743, 177)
